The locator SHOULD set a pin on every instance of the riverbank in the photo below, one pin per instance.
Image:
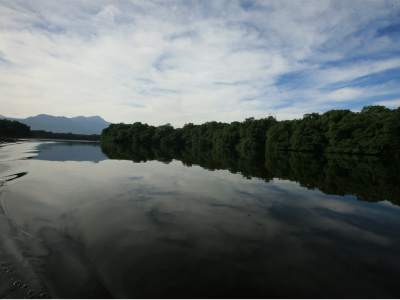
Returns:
(59, 140)
(7, 140)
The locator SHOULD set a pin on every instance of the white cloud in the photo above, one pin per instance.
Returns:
(344, 94)
(178, 62)
(356, 70)
(389, 103)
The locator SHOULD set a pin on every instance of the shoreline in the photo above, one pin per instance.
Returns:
(58, 140)
(15, 140)
(7, 140)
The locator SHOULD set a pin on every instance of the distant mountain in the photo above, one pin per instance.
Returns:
(77, 125)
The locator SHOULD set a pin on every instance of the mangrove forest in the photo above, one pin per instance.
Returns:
(375, 130)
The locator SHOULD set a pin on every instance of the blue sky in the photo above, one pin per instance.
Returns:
(195, 61)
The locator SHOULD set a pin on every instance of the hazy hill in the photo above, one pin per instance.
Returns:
(76, 125)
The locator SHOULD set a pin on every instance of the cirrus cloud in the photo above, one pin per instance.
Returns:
(195, 61)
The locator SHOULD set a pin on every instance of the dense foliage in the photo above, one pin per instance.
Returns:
(375, 130)
(255, 149)
(14, 129)
(246, 138)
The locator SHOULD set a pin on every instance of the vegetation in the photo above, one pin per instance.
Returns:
(41, 134)
(318, 151)
(374, 131)
(14, 129)
(246, 138)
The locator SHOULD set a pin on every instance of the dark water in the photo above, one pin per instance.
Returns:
(70, 151)
(156, 225)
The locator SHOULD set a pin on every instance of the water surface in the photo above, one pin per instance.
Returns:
(84, 225)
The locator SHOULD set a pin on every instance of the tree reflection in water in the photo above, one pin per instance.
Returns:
(369, 178)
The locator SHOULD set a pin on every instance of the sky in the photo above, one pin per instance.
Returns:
(196, 61)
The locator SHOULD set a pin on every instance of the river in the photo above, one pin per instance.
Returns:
(79, 223)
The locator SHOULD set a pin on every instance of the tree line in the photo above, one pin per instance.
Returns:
(13, 129)
(42, 134)
(375, 130)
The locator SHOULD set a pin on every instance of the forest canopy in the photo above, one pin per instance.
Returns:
(375, 130)
(13, 129)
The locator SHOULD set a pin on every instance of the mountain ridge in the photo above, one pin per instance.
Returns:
(62, 124)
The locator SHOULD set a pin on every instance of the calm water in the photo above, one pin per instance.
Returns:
(75, 223)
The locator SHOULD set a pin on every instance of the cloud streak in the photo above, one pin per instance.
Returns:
(195, 61)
